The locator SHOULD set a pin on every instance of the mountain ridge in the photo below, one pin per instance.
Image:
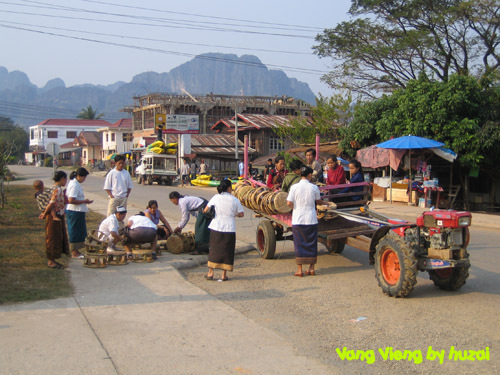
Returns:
(225, 74)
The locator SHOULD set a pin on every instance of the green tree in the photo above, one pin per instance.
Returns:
(11, 133)
(460, 113)
(89, 114)
(327, 117)
(389, 42)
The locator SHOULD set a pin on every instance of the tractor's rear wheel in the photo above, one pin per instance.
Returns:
(266, 239)
(450, 278)
(395, 266)
(336, 246)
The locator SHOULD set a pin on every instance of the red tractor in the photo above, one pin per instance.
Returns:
(437, 243)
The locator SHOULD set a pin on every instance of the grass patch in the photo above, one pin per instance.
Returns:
(24, 275)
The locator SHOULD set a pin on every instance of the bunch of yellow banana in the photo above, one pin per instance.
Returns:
(159, 147)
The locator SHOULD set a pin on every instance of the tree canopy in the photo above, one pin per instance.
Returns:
(390, 42)
(14, 140)
(329, 114)
(89, 114)
(460, 112)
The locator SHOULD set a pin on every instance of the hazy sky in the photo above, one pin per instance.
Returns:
(280, 33)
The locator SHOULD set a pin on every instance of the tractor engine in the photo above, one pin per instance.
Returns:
(445, 234)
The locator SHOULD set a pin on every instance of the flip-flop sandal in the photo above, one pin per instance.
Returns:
(58, 266)
(208, 277)
(225, 279)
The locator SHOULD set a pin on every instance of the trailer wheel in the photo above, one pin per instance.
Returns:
(395, 266)
(450, 278)
(336, 246)
(266, 239)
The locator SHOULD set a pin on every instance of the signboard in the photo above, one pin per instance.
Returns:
(182, 124)
(52, 149)
(159, 122)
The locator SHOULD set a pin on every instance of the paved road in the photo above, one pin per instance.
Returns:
(311, 316)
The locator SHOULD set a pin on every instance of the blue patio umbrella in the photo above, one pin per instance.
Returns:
(409, 142)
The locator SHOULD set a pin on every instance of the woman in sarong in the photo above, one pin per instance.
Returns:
(56, 238)
(223, 230)
(75, 212)
(303, 198)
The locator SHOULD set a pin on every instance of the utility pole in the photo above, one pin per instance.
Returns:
(236, 134)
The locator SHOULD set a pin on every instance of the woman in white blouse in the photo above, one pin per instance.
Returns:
(223, 230)
(75, 211)
(302, 198)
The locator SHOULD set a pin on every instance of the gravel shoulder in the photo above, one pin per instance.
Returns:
(316, 313)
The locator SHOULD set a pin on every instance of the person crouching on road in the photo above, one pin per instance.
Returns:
(303, 198)
(108, 230)
(152, 212)
(140, 230)
(193, 206)
(223, 230)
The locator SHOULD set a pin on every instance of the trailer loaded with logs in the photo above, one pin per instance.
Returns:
(436, 243)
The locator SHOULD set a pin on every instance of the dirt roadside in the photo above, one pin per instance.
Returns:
(322, 313)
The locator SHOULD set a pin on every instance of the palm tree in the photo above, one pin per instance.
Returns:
(89, 114)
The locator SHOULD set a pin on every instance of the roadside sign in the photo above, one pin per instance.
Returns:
(52, 149)
(160, 122)
(182, 124)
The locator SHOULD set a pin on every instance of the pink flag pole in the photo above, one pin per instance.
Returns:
(317, 146)
(245, 158)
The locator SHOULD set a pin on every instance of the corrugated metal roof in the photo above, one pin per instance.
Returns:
(247, 122)
(212, 144)
(264, 121)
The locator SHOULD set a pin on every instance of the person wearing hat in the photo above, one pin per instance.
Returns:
(109, 227)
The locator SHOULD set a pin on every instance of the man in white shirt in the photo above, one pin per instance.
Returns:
(118, 185)
(185, 168)
(109, 227)
(193, 206)
(203, 167)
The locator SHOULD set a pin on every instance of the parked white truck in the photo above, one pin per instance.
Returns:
(160, 168)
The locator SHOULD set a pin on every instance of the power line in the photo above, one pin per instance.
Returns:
(159, 40)
(183, 25)
(204, 57)
(34, 112)
(273, 24)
